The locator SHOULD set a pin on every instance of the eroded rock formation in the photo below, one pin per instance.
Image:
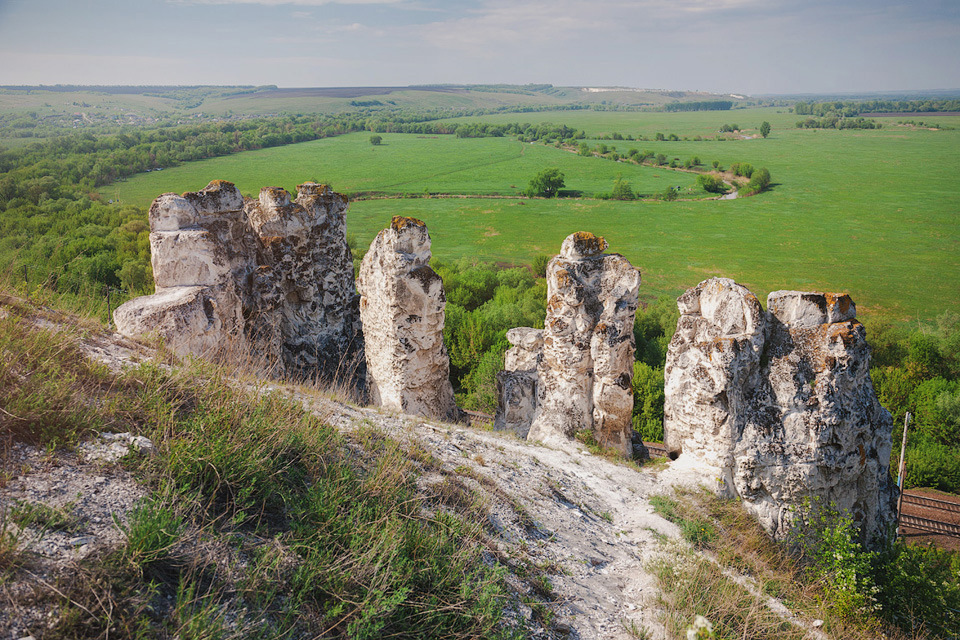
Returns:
(517, 383)
(402, 306)
(585, 373)
(779, 404)
(270, 280)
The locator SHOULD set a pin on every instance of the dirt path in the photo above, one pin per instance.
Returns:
(588, 518)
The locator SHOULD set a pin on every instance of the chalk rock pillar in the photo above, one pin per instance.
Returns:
(269, 280)
(816, 429)
(587, 366)
(197, 307)
(779, 405)
(517, 383)
(713, 360)
(307, 268)
(402, 309)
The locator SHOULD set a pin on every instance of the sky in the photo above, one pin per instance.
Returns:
(739, 46)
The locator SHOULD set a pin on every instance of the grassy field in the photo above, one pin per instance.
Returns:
(875, 213)
(404, 163)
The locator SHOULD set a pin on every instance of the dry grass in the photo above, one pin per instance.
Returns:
(739, 569)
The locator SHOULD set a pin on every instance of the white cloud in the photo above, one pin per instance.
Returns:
(496, 22)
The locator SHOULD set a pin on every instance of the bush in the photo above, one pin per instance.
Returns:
(828, 545)
(742, 169)
(711, 184)
(919, 588)
(540, 263)
(758, 183)
(648, 397)
(932, 464)
(622, 190)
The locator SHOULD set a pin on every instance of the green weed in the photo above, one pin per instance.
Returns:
(43, 516)
(153, 529)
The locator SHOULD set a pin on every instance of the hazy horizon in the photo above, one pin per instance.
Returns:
(750, 47)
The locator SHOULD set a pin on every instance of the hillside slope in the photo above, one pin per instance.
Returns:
(581, 549)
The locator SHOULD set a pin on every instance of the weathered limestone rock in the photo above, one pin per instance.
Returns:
(712, 361)
(402, 309)
(305, 249)
(779, 405)
(269, 279)
(517, 383)
(587, 365)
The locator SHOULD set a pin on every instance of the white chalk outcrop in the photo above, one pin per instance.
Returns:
(585, 372)
(779, 405)
(402, 305)
(269, 280)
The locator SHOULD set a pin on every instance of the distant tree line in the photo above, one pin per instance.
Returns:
(702, 105)
(849, 108)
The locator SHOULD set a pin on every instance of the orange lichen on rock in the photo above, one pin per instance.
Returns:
(583, 244)
(841, 300)
(399, 223)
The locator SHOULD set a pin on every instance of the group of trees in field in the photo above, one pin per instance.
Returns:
(851, 108)
(53, 216)
(699, 105)
(838, 122)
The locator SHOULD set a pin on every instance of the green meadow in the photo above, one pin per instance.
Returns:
(402, 164)
(875, 213)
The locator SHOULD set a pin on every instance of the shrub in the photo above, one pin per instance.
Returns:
(919, 588)
(711, 184)
(742, 169)
(546, 184)
(540, 265)
(622, 190)
(759, 182)
(648, 397)
(932, 464)
(827, 542)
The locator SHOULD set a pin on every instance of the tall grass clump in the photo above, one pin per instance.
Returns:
(46, 385)
(365, 555)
